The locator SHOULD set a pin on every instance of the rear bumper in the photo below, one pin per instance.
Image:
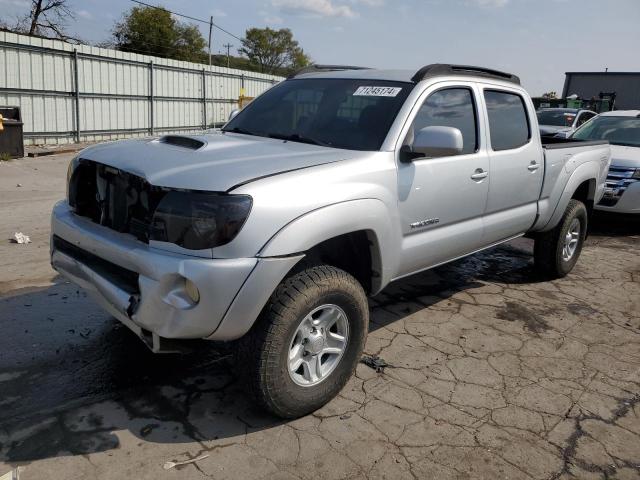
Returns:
(144, 287)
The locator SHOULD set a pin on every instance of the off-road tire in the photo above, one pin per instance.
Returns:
(548, 246)
(262, 355)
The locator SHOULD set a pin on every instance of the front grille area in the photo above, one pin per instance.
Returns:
(125, 279)
(113, 198)
(618, 180)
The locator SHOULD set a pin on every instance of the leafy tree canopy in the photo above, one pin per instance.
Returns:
(153, 31)
(273, 50)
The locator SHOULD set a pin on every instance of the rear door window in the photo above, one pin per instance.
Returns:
(508, 120)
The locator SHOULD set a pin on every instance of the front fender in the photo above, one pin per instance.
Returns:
(370, 215)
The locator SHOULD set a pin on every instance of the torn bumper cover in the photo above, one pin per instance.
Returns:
(143, 287)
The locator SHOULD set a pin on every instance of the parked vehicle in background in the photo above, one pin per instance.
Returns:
(323, 190)
(622, 130)
(562, 121)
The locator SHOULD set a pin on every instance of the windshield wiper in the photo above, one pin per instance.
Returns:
(296, 137)
(241, 130)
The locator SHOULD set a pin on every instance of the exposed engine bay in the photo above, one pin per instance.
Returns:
(113, 198)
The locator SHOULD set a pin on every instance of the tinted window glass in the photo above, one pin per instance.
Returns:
(617, 130)
(584, 118)
(341, 113)
(453, 107)
(508, 121)
(556, 118)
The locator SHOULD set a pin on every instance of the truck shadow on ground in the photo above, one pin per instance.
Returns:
(605, 224)
(71, 376)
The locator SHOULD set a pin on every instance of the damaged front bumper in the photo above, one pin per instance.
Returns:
(144, 287)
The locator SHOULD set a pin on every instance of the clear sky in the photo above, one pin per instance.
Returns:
(538, 40)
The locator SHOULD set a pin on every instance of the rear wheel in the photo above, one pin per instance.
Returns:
(557, 251)
(307, 342)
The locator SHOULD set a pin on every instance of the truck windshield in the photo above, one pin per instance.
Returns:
(340, 113)
(618, 130)
(556, 118)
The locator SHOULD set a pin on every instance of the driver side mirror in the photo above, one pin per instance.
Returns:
(437, 142)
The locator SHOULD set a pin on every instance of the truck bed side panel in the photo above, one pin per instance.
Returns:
(566, 167)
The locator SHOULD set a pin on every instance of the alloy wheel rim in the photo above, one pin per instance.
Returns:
(571, 240)
(318, 344)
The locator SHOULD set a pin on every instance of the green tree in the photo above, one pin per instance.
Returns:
(190, 45)
(153, 31)
(550, 95)
(273, 50)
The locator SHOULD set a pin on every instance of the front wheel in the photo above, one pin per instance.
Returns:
(307, 342)
(556, 251)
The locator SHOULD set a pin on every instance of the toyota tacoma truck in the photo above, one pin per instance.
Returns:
(330, 185)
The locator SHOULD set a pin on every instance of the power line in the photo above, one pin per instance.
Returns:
(208, 22)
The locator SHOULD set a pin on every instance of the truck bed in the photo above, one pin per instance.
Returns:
(562, 157)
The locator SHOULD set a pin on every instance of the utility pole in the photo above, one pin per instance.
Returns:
(210, 30)
(227, 46)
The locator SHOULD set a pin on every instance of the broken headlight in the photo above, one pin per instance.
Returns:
(70, 169)
(197, 221)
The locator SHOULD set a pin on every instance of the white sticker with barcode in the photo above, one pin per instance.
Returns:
(377, 91)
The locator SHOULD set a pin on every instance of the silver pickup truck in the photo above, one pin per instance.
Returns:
(325, 189)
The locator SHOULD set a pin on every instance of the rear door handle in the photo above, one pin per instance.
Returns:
(533, 166)
(479, 174)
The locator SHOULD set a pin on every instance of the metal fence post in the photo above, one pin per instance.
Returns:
(77, 93)
(204, 99)
(151, 100)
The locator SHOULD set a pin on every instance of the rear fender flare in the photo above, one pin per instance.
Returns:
(585, 172)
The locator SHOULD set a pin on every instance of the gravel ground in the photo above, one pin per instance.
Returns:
(492, 373)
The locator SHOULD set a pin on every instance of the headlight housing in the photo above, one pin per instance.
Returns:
(199, 220)
(70, 169)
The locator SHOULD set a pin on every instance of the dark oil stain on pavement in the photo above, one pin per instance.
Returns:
(515, 312)
(581, 309)
(64, 348)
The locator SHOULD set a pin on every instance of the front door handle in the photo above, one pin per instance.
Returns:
(479, 174)
(533, 166)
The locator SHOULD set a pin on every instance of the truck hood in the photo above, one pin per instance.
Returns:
(622, 156)
(222, 162)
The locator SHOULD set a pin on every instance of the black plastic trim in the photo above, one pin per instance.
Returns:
(125, 279)
(558, 143)
(182, 141)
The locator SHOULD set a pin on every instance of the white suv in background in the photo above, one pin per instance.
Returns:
(622, 130)
(562, 122)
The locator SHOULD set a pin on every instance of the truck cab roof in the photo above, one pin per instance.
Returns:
(409, 76)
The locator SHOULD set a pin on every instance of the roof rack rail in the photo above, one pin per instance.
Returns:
(438, 69)
(325, 68)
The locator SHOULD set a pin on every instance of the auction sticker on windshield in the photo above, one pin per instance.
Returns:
(377, 91)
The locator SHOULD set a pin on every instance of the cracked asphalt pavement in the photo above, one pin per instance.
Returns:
(484, 371)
